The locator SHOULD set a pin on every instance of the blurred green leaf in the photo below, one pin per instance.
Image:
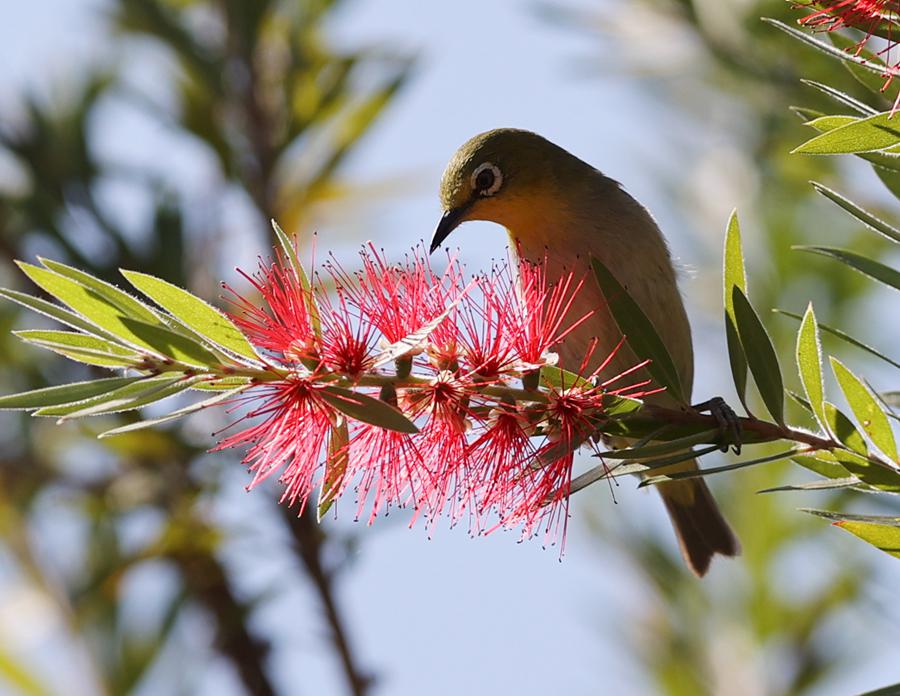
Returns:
(202, 318)
(761, 356)
(367, 409)
(809, 364)
(863, 216)
(19, 677)
(63, 394)
(639, 331)
(869, 267)
(866, 408)
(734, 276)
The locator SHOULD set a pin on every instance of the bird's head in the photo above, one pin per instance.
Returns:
(502, 176)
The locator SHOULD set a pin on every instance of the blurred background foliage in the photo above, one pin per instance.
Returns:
(262, 94)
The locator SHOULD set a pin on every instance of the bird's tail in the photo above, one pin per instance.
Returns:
(701, 530)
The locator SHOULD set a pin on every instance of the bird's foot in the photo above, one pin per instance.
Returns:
(727, 419)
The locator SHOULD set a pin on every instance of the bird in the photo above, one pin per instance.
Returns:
(560, 211)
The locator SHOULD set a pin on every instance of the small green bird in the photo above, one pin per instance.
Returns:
(561, 211)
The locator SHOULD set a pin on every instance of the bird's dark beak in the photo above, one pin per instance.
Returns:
(450, 220)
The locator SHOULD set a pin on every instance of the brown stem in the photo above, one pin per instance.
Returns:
(309, 547)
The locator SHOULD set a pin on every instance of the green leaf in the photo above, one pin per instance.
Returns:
(289, 250)
(844, 430)
(863, 216)
(82, 347)
(842, 97)
(659, 448)
(760, 354)
(202, 318)
(560, 379)
(367, 409)
(620, 406)
(868, 69)
(129, 331)
(735, 276)
(870, 134)
(873, 269)
(821, 485)
(699, 473)
(180, 413)
(822, 463)
(335, 468)
(53, 311)
(809, 363)
(222, 383)
(844, 337)
(882, 536)
(131, 396)
(865, 407)
(416, 339)
(880, 476)
(125, 303)
(819, 45)
(639, 331)
(891, 690)
(63, 394)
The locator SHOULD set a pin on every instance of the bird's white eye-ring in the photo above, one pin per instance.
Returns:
(487, 179)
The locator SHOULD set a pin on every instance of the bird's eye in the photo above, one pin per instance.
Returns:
(487, 179)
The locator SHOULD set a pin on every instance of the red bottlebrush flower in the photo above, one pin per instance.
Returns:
(873, 17)
(861, 14)
(540, 316)
(290, 438)
(286, 328)
(347, 339)
(486, 321)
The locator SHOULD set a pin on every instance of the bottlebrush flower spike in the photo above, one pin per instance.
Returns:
(484, 449)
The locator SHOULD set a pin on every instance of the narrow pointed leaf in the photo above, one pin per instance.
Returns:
(699, 473)
(558, 378)
(620, 406)
(761, 355)
(63, 394)
(842, 97)
(870, 134)
(882, 477)
(827, 484)
(639, 331)
(82, 347)
(52, 311)
(867, 68)
(844, 337)
(132, 396)
(289, 251)
(869, 267)
(128, 305)
(222, 383)
(822, 463)
(174, 415)
(820, 45)
(335, 468)
(809, 364)
(865, 407)
(367, 409)
(111, 319)
(844, 430)
(734, 276)
(416, 339)
(881, 536)
(659, 448)
(202, 318)
(859, 213)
